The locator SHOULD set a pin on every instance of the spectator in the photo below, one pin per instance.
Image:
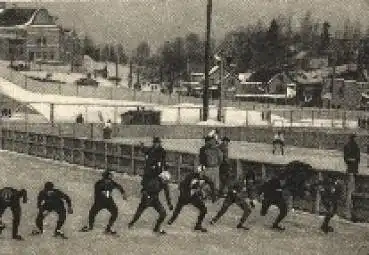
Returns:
(107, 130)
(278, 140)
(79, 119)
(352, 155)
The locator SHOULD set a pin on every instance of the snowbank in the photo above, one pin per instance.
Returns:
(91, 108)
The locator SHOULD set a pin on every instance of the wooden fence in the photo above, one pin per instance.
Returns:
(129, 158)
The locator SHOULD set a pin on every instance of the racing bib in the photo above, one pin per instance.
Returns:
(106, 193)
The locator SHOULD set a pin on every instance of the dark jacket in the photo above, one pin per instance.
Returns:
(154, 186)
(193, 184)
(210, 156)
(351, 151)
(272, 189)
(155, 157)
(104, 189)
(331, 191)
(10, 196)
(53, 199)
(224, 150)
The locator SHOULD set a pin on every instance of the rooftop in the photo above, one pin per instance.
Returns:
(16, 16)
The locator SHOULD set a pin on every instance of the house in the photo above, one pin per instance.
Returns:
(30, 34)
(306, 60)
(346, 89)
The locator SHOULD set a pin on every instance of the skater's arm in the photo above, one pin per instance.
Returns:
(66, 198)
(121, 190)
(40, 198)
(23, 195)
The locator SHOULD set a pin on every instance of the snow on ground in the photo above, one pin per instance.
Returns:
(69, 78)
(181, 113)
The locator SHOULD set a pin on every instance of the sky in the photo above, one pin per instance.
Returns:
(132, 21)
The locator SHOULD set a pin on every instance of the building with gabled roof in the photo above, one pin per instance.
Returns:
(30, 34)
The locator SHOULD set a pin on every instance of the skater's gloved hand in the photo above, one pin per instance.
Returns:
(70, 210)
(124, 196)
(170, 206)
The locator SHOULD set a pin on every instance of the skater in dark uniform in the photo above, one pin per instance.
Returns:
(150, 198)
(192, 192)
(235, 195)
(251, 184)
(292, 179)
(9, 197)
(331, 191)
(52, 200)
(104, 200)
(155, 161)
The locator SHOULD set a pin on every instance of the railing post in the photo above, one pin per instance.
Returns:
(318, 196)
(92, 131)
(179, 163)
(106, 154)
(312, 118)
(133, 159)
(291, 118)
(350, 190)
(263, 172)
(52, 107)
(239, 168)
(247, 118)
(178, 115)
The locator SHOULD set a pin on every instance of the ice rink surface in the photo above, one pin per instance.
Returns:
(301, 237)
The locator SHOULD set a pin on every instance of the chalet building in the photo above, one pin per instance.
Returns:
(30, 34)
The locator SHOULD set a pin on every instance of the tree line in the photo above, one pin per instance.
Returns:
(251, 47)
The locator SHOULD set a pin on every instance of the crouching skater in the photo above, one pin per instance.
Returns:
(51, 200)
(192, 191)
(236, 189)
(292, 180)
(104, 200)
(331, 191)
(10, 198)
(150, 198)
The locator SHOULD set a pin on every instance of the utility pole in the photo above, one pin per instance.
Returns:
(221, 87)
(116, 67)
(130, 73)
(207, 56)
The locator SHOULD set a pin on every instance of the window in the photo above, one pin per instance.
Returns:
(52, 55)
(44, 55)
(44, 42)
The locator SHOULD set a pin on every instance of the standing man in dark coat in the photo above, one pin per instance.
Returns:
(352, 155)
(155, 161)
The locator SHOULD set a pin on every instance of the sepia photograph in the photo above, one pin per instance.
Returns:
(184, 127)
